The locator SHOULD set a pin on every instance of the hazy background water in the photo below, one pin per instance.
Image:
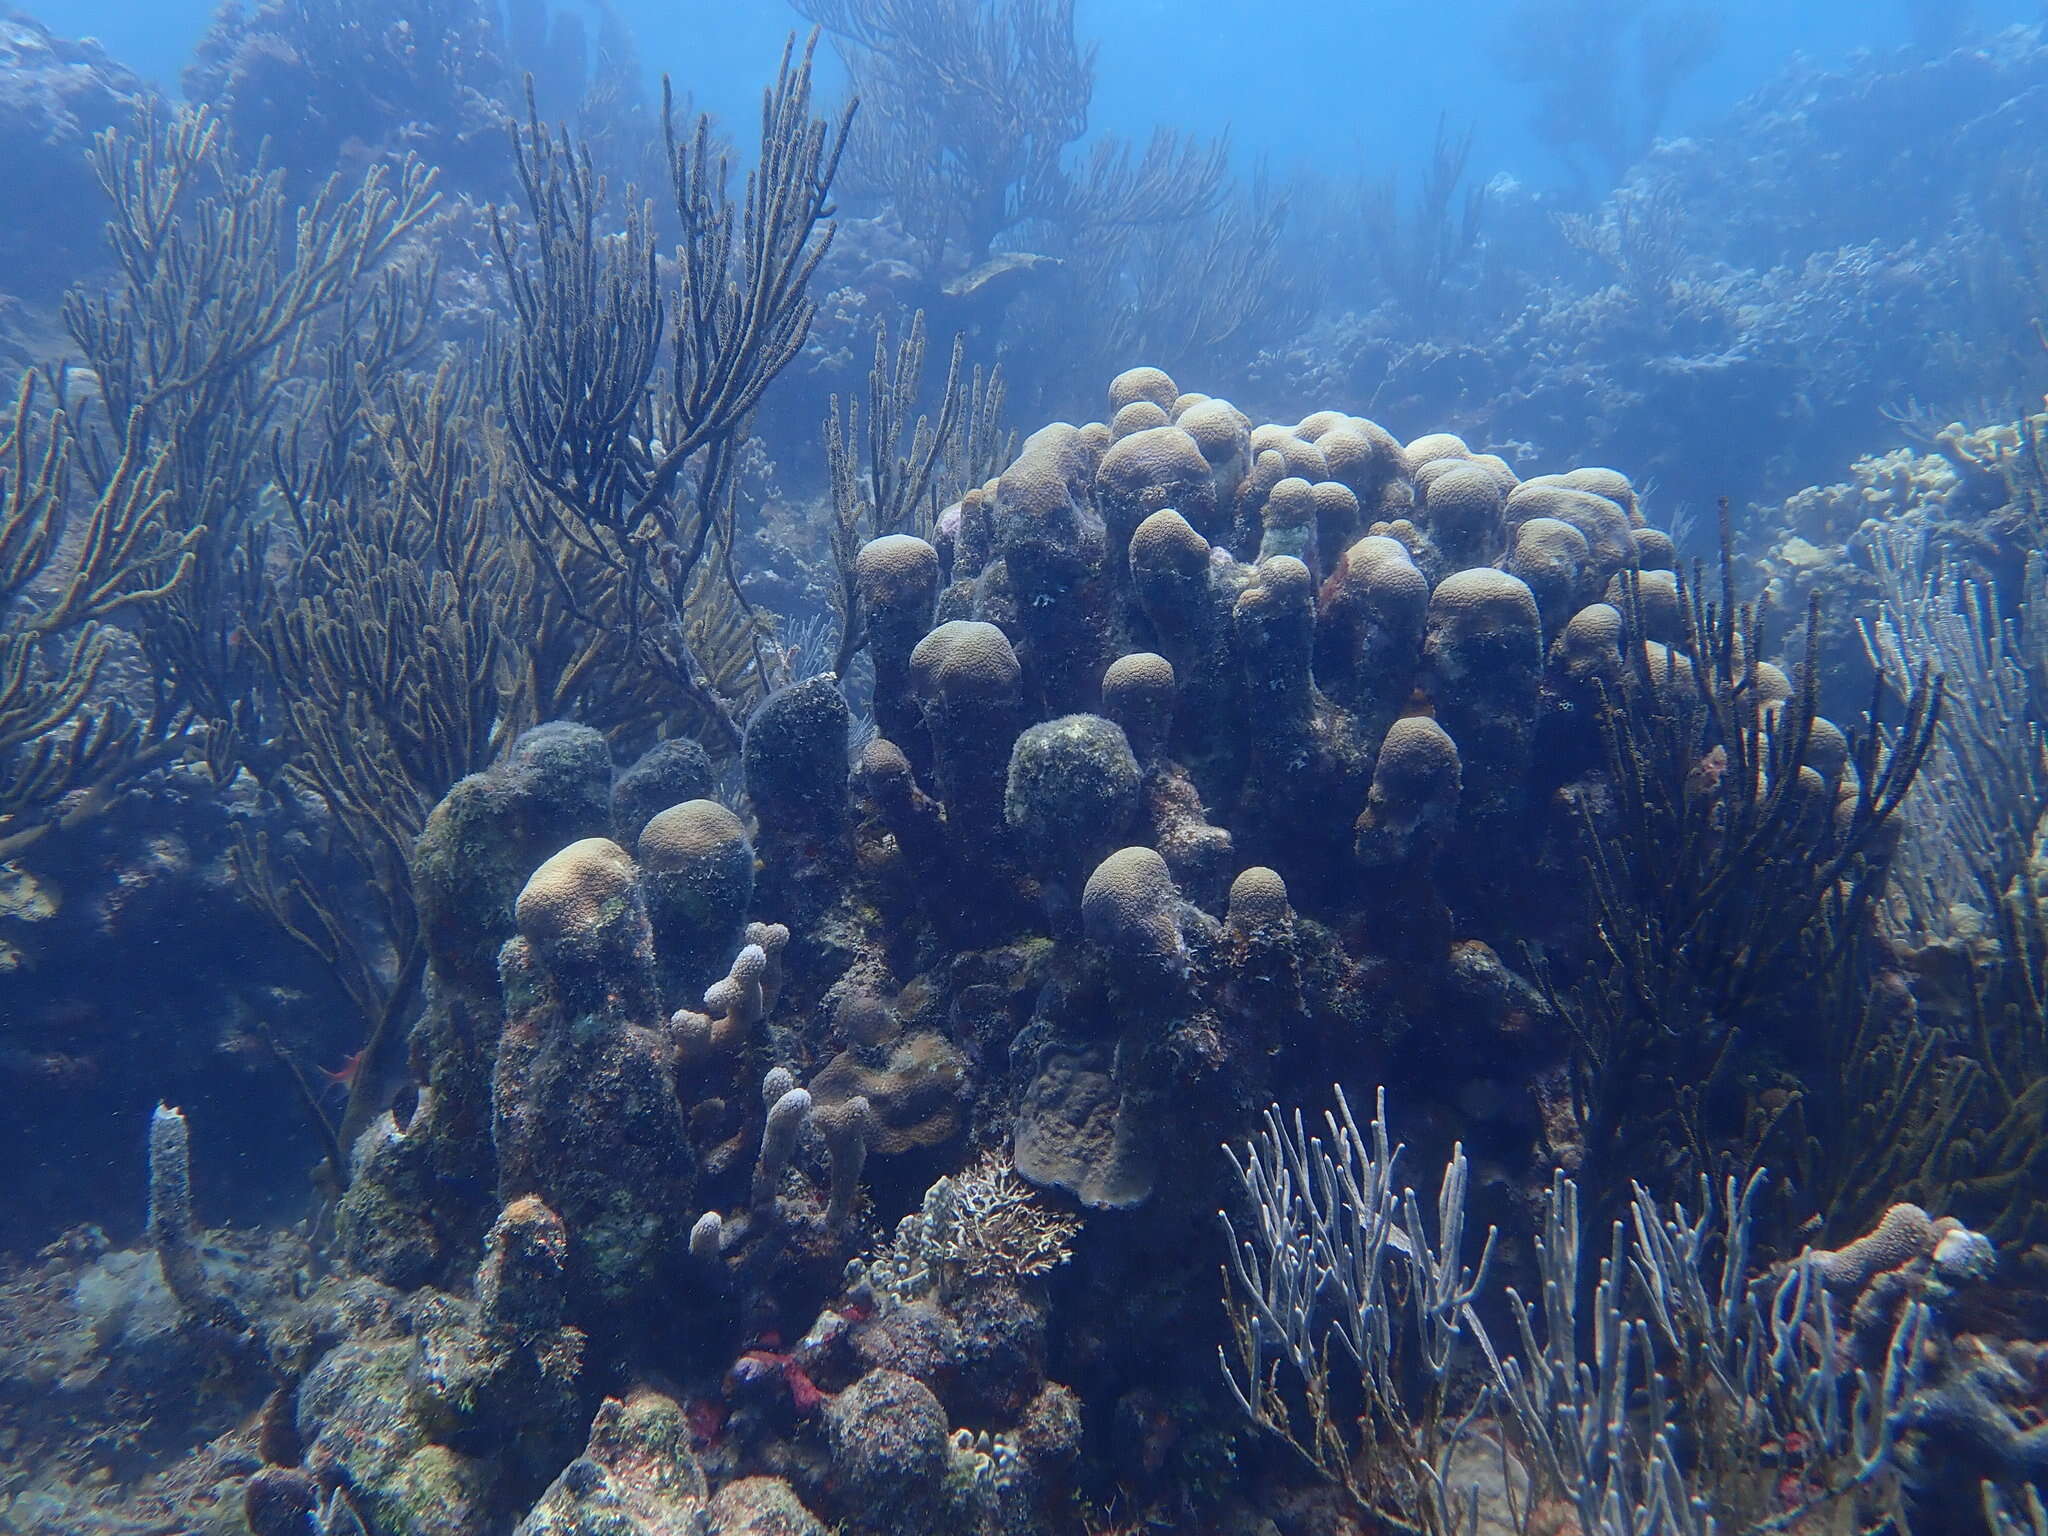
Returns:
(1300, 83)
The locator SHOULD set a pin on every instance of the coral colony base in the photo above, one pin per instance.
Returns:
(1214, 762)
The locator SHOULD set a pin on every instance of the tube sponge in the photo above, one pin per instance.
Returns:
(170, 1206)
(171, 1225)
(707, 1236)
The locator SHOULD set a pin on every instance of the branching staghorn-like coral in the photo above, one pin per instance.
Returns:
(174, 1232)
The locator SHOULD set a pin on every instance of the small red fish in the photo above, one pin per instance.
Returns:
(350, 1069)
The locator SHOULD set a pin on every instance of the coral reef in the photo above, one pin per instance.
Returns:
(669, 1095)
(795, 951)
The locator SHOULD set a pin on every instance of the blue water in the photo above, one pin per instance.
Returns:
(1348, 85)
